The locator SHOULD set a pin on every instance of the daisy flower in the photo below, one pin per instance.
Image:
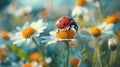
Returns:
(74, 62)
(86, 10)
(96, 31)
(29, 31)
(23, 11)
(11, 8)
(111, 23)
(62, 35)
(5, 37)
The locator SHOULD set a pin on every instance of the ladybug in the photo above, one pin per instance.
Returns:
(66, 22)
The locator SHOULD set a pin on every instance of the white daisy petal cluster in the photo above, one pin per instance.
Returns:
(52, 38)
(78, 11)
(37, 28)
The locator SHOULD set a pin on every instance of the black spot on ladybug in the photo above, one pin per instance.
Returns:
(64, 24)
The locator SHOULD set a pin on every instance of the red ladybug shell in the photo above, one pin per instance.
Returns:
(63, 22)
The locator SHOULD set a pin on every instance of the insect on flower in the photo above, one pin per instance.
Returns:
(66, 22)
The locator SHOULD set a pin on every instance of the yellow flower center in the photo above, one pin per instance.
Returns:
(27, 65)
(74, 62)
(95, 31)
(43, 14)
(13, 4)
(27, 32)
(80, 2)
(5, 35)
(65, 34)
(36, 57)
(111, 19)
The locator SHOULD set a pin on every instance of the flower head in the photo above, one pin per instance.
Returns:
(13, 4)
(95, 31)
(29, 31)
(112, 44)
(5, 35)
(75, 62)
(36, 57)
(80, 2)
(56, 36)
(43, 13)
(27, 65)
(23, 11)
(111, 19)
(65, 34)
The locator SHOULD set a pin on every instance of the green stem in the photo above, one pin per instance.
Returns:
(98, 52)
(110, 63)
(67, 53)
(37, 46)
(93, 60)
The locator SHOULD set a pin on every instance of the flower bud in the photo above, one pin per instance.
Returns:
(112, 44)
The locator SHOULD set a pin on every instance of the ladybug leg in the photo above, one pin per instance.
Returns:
(58, 30)
(70, 27)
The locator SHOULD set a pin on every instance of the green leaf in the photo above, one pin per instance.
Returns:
(20, 53)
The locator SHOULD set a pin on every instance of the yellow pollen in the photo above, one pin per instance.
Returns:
(111, 19)
(80, 2)
(95, 31)
(5, 35)
(65, 34)
(36, 57)
(27, 32)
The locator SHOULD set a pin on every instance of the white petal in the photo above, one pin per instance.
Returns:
(48, 60)
(34, 63)
(18, 41)
(109, 27)
(102, 26)
(28, 41)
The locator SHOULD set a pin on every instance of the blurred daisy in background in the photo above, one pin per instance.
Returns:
(86, 10)
(29, 31)
(24, 11)
(96, 31)
(11, 8)
(5, 37)
(75, 62)
(111, 23)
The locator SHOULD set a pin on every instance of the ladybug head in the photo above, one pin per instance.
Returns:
(63, 22)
